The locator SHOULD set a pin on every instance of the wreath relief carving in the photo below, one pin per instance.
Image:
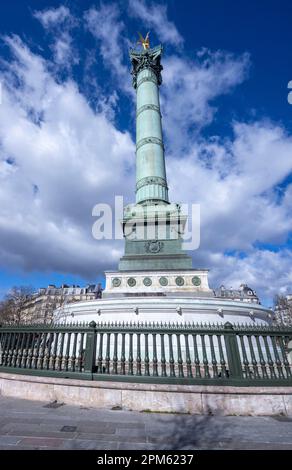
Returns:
(153, 246)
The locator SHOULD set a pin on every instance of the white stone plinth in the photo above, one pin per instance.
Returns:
(193, 282)
(165, 309)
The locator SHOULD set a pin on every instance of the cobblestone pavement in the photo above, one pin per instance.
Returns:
(36, 425)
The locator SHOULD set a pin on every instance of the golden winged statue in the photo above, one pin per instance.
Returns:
(144, 41)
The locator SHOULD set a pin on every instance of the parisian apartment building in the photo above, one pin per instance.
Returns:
(41, 305)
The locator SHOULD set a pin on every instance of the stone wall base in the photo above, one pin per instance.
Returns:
(193, 399)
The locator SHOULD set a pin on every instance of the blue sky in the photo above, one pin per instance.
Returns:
(67, 133)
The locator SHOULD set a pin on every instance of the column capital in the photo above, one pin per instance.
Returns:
(148, 59)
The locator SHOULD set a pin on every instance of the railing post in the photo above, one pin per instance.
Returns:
(232, 351)
(90, 349)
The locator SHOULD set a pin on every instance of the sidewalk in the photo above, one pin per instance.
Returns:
(36, 425)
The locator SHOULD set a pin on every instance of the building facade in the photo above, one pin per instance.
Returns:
(41, 305)
(283, 310)
(244, 293)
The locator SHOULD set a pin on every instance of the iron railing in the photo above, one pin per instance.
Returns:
(150, 352)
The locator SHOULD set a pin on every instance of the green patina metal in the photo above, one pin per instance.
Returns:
(157, 248)
(151, 183)
(151, 353)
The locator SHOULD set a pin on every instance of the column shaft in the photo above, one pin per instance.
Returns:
(151, 184)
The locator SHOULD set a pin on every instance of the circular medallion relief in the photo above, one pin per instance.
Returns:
(153, 246)
(163, 281)
(179, 281)
(131, 281)
(116, 282)
(196, 281)
(147, 281)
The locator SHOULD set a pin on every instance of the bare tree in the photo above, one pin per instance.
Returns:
(12, 308)
(283, 310)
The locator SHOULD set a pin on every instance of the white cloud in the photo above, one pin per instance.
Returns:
(52, 17)
(190, 86)
(155, 16)
(107, 28)
(236, 183)
(54, 170)
(268, 271)
(60, 23)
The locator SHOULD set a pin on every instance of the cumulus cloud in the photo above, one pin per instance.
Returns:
(268, 271)
(54, 169)
(241, 204)
(154, 15)
(236, 183)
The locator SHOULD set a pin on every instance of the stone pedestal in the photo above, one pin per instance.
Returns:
(186, 283)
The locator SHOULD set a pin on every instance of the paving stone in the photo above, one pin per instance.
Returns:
(15, 426)
(55, 427)
(160, 439)
(9, 440)
(136, 446)
(131, 433)
(70, 421)
(15, 448)
(96, 436)
(44, 434)
(113, 437)
(20, 419)
(98, 428)
(256, 446)
(27, 425)
(42, 442)
(89, 445)
(130, 425)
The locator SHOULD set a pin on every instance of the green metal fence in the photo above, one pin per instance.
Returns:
(157, 353)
